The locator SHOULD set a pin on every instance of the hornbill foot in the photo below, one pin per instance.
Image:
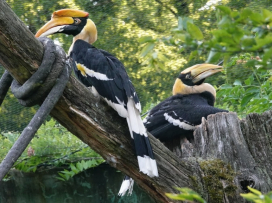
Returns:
(44, 87)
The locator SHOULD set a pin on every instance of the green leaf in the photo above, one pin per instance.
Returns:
(180, 23)
(257, 18)
(148, 47)
(181, 37)
(34, 169)
(194, 31)
(267, 15)
(162, 57)
(235, 14)
(246, 13)
(248, 41)
(92, 163)
(63, 176)
(267, 199)
(224, 23)
(192, 55)
(254, 191)
(253, 90)
(185, 21)
(237, 82)
(86, 164)
(249, 196)
(237, 34)
(74, 169)
(226, 86)
(146, 39)
(224, 9)
(262, 42)
(249, 80)
(79, 165)
(186, 194)
(62, 179)
(246, 99)
(213, 57)
(223, 36)
(267, 55)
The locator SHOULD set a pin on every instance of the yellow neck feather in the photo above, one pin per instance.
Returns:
(88, 34)
(180, 88)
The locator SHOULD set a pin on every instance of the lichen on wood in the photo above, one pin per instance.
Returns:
(218, 178)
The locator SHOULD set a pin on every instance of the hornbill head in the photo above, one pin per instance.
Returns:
(71, 22)
(191, 80)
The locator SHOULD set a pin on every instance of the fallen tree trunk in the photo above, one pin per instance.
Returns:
(227, 154)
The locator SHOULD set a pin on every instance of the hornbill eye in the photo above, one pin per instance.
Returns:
(77, 21)
(188, 76)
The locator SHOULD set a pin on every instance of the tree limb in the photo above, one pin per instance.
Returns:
(167, 7)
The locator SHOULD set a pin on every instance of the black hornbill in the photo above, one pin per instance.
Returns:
(105, 75)
(192, 99)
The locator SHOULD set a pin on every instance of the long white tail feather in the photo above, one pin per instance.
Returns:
(130, 128)
(134, 118)
(146, 164)
(142, 162)
(154, 167)
(126, 185)
(135, 124)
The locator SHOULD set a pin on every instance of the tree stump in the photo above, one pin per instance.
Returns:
(230, 154)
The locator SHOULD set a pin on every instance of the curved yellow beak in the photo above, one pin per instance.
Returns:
(56, 23)
(202, 71)
(58, 20)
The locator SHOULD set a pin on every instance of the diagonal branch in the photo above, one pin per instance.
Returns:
(167, 7)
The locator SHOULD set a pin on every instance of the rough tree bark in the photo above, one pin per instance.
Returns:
(227, 154)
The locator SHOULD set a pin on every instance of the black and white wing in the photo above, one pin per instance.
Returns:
(107, 77)
(178, 116)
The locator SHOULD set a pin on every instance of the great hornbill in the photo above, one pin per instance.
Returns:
(192, 99)
(106, 76)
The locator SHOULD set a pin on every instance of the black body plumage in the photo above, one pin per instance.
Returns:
(179, 114)
(106, 77)
(118, 87)
(98, 69)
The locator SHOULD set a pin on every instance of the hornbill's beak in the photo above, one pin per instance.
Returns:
(59, 20)
(202, 71)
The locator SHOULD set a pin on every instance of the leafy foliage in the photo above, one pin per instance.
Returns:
(257, 197)
(52, 146)
(191, 196)
(249, 94)
(237, 32)
(186, 194)
(77, 168)
(243, 40)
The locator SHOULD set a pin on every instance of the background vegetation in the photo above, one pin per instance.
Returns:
(155, 39)
(191, 196)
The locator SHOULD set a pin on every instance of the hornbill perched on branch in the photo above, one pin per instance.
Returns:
(192, 99)
(106, 76)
